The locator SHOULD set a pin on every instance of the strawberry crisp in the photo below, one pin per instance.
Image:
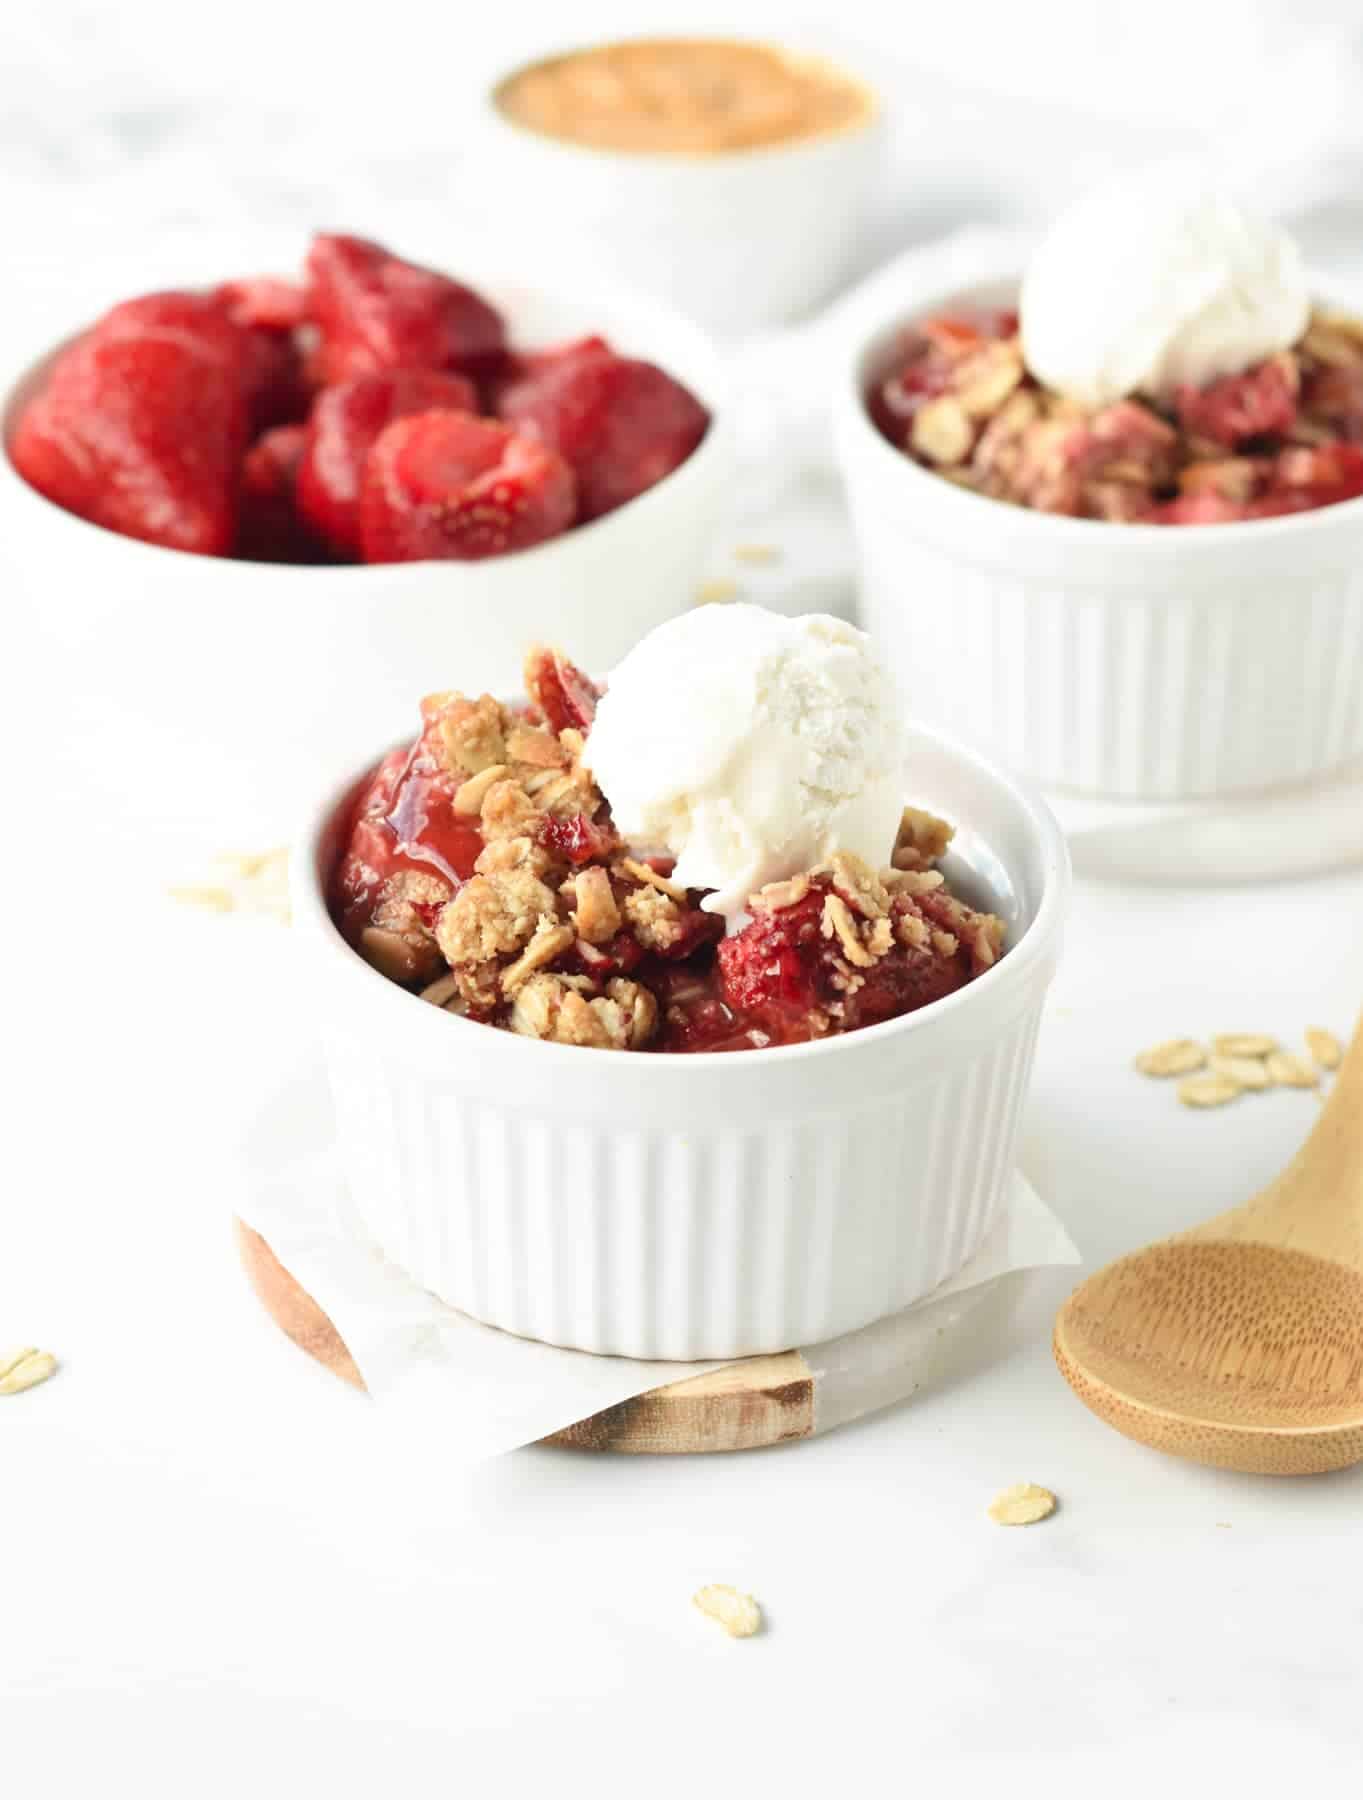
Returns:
(1284, 436)
(482, 870)
(373, 412)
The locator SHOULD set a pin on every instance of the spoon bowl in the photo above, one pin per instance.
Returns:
(1240, 1343)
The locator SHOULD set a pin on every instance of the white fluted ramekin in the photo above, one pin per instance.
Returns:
(1130, 661)
(241, 685)
(687, 1207)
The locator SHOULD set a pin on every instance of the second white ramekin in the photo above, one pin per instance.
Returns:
(1127, 661)
(687, 1207)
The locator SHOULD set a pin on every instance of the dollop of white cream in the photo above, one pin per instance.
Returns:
(1155, 282)
(750, 747)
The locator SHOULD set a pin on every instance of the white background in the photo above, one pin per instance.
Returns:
(217, 1574)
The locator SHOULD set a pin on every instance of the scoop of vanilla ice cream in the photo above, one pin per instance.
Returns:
(750, 747)
(1154, 282)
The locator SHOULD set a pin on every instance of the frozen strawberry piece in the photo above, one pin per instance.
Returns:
(621, 424)
(343, 428)
(271, 311)
(270, 529)
(195, 321)
(444, 485)
(374, 311)
(142, 431)
(566, 697)
(277, 389)
(1261, 402)
(266, 360)
(267, 301)
(518, 365)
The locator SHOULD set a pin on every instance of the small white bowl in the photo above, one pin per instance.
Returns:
(685, 1207)
(1127, 661)
(738, 239)
(242, 684)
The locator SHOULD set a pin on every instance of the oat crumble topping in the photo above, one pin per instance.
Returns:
(483, 871)
(1286, 435)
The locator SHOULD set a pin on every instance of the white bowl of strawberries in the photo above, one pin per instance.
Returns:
(249, 520)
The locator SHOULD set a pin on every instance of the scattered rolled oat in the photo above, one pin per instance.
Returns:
(1208, 1090)
(1244, 1043)
(757, 553)
(1177, 1056)
(213, 899)
(1324, 1046)
(1022, 1504)
(1244, 1071)
(253, 881)
(1286, 1070)
(739, 1614)
(711, 593)
(20, 1369)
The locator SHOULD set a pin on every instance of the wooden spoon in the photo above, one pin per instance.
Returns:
(1240, 1343)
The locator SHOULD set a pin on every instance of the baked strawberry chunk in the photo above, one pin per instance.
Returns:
(270, 529)
(343, 428)
(848, 951)
(142, 425)
(560, 691)
(374, 312)
(621, 424)
(1260, 403)
(442, 485)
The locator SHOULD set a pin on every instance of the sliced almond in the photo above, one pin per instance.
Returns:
(1324, 1046)
(25, 1369)
(1244, 1043)
(1208, 1090)
(1286, 1070)
(1023, 1504)
(739, 1614)
(1245, 1071)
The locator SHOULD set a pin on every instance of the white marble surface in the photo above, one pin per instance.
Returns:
(219, 1576)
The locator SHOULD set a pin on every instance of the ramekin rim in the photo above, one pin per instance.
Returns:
(1054, 528)
(1041, 936)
